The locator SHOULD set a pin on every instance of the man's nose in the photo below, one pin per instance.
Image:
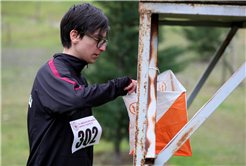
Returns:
(103, 48)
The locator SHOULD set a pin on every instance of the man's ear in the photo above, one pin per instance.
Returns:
(74, 36)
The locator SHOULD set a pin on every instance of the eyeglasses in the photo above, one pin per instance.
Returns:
(100, 41)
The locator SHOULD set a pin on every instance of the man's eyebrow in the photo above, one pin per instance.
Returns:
(98, 35)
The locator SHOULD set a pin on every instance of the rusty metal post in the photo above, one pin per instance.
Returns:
(142, 88)
(152, 96)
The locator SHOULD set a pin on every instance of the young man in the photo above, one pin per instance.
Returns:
(61, 127)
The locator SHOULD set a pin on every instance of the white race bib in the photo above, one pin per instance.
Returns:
(87, 131)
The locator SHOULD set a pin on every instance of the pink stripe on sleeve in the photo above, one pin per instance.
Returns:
(55, 72)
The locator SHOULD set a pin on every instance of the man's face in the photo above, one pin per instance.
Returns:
(86, 48)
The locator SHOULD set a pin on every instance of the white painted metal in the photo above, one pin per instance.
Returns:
(197, 120)
(195, 9)
(151, 106)
(215, 14)
(142, 88)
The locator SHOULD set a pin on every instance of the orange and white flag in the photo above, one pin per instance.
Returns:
(171, 113)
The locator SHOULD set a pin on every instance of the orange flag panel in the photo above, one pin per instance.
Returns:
(170, 124)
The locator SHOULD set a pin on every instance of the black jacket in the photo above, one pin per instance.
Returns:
(60, 94)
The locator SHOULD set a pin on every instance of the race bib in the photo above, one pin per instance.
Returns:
(87, 131)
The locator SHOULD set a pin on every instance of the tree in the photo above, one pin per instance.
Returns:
(203, 40)
(120, 59)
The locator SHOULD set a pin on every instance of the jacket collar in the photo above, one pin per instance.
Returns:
(73, 62)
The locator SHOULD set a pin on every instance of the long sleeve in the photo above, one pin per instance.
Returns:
(60, 93)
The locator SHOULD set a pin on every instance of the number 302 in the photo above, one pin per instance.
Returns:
(86, 137)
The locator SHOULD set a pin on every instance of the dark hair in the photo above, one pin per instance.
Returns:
(84, 18)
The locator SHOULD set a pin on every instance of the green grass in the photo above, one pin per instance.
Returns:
(219, 141)
(31, 24)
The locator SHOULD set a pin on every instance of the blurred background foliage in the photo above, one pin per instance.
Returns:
(30, 37)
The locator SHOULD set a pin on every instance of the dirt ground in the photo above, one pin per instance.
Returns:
(107, 158)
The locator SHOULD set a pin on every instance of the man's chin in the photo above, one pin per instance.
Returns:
(92, 61)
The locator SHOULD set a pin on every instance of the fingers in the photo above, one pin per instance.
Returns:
(134, 89)
(131, 87)
(128, 87)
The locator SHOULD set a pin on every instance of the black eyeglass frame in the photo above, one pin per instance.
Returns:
(99, 40)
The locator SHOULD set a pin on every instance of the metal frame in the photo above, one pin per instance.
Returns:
(153, 14)
(147, 79)
(201, 24)
(197, 120)
(142, 88)
(211, 65)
